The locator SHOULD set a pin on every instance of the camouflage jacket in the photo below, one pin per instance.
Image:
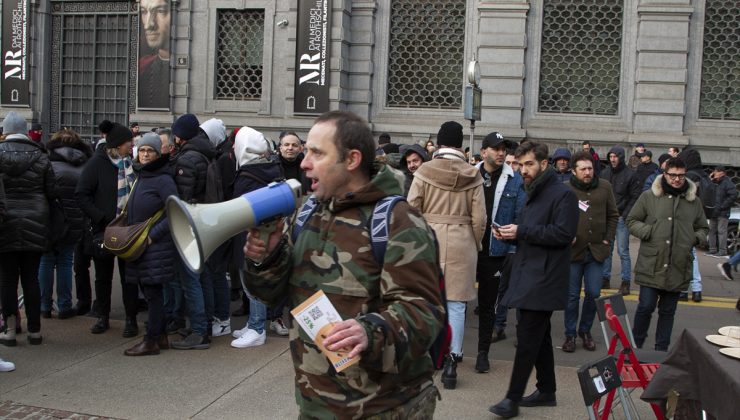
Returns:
(398, 304)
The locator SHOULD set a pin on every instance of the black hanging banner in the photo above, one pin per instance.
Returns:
(15, 53)
(312, 57)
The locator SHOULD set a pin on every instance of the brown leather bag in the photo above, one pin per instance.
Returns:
(128, 241)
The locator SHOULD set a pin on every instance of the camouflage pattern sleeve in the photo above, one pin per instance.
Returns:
(269, 281)
(411, 314)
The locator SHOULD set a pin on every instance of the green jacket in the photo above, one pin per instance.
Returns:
(597, 221)
(399, 303)
(668, 227)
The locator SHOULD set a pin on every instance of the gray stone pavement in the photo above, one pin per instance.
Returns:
(77, 372)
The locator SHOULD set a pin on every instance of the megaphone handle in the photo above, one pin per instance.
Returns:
(265, 230)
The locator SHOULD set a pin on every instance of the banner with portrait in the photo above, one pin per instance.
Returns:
(155, 22)
(312, 57)
(15, 53)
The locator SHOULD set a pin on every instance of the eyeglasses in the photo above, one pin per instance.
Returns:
(676, 176)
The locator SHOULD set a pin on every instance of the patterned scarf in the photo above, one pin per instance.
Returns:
(125, 180)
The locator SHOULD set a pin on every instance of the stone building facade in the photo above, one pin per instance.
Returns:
(659, 72)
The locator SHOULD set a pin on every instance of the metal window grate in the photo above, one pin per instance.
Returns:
(425, 61)
(92, 64)
(240, 37)
(720, 74)
(581, 56)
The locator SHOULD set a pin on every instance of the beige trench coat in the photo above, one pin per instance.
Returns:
(450, 195)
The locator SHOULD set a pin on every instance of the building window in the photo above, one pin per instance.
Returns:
(425, 61)
(581, 56)
(240, 37)
(720, 69)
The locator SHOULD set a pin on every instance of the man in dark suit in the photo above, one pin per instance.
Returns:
(539, 279)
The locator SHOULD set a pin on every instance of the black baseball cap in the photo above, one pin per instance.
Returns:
(494, 140)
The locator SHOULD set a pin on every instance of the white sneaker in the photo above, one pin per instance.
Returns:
(6, 366)
(251, 338)
(279, 327)
(241, 332)
(220, 328)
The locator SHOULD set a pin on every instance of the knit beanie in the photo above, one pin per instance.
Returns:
(118, 135)
(186, 126)
(105, 126)
(14, 124)
(450, 135)
(249, 146)
(216, 131)
(152, 140)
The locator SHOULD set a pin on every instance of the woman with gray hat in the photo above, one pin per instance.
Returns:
(155, 267)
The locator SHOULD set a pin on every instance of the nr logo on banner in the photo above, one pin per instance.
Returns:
(15, 51)
(313, 56)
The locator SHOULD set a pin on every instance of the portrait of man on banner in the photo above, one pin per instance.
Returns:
(154, 54)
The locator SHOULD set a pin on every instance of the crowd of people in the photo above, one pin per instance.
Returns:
(523, 210)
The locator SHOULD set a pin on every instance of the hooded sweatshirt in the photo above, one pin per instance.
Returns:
(624, 182)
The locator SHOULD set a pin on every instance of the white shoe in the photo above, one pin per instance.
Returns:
(6, 366)
(241, 332)
(279, 327)
(251, 338)
(220, 328)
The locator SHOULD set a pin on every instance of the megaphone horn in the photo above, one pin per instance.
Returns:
(198, 229)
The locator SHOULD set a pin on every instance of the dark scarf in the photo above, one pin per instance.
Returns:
(582, 185)
(538, 180)
(668, 189)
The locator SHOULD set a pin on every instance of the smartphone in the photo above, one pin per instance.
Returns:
(495, 225)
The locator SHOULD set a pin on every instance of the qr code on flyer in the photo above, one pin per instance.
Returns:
(315, 313)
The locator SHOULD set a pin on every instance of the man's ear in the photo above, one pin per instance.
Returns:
(354, 159)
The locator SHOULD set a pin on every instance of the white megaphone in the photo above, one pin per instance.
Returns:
(198, 229)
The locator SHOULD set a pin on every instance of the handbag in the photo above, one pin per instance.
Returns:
(128, 241)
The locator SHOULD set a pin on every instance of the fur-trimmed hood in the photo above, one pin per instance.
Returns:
(657, 188)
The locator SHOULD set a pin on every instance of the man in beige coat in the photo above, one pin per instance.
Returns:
(449, 192)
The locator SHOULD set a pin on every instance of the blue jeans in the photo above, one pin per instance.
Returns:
(215, 294)
(667, 303)
(696, 279)
(257, 315)
(735, 259)
(61, 258)
(623, 244)
(457, 322)
(590, 271)
(193, 294)
(172, 292)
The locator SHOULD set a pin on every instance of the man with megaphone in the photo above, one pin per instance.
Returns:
(392, 309)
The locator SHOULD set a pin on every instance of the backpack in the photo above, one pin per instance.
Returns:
(214, 192)
(379, 227)
(708, 195)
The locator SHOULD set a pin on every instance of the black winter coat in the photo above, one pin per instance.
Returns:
(251, 177)
(191, 165)
(540, 269)
(725, 198)
(97, 190)
(2, 199)
(624, 183)
(28, 179)
(292, 170)
(157, 264)
(68, 159)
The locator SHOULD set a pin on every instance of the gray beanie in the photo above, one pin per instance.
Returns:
(14, 124)
(152, 140)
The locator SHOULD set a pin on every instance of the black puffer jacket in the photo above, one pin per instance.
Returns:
(68, 159)
(154, 185)
(191, 166)
(2, 199)
(624, 183)
(97, 190)
(726, 196)
(28, 179)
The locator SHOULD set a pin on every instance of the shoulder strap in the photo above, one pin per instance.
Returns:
(306, 211)
(379, 225)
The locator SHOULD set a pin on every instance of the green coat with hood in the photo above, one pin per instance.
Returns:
(398, 303)
(668, 227)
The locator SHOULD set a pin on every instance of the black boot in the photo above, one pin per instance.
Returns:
(449, 372)
(131, 329)
(100, 326)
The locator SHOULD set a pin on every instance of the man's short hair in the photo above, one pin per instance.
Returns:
(586, 142)
(288, 133)
(677, 149)
(675, 162)
(384, 138)
(352, 132)
(540, 150)
(167, 132)
(579, 156)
